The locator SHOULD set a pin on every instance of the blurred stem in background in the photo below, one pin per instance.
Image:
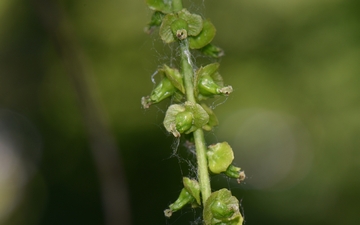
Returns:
(102, 143)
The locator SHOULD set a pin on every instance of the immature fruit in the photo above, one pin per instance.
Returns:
(222, 208)
(209, 82)
(180, 25)
(184, 121)
(179, 28)
(185, 118)
(163, 90)
(184, 198)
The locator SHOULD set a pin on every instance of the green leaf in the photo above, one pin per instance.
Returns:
(213, 121)
(221, 208)
(175, 77)
(204, 37)
(164, 6)
(166, 33)
(194, 21)
(170, 118)
(208, 70)
(192, 186)
(220, 156)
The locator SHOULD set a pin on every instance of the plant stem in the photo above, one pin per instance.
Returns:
(203, 173)
(177, 5)
(188, 73)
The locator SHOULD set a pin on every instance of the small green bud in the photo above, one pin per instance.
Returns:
(234, 172)
(220, 156)
(212, 51)
(184, 198)
(221, 208)
(184, 121)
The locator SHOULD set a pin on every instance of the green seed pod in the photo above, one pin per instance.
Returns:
(222, 208)
(208, 87)
(184, 198)
(204, 37)
(184, 121)
(192, 186)
(209, 82)
(220, 156)
(163, 90)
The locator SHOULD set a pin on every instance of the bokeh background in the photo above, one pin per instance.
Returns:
(293, 119)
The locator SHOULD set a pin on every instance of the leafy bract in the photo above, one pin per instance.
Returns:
(220, 157)
(204, 37)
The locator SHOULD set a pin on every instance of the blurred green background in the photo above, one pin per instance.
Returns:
(293, 119)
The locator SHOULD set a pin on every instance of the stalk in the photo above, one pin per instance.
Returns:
(177, 5)
(188, 73)
(191, 31)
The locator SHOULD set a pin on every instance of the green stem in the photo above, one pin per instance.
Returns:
(177, 5)
(188, 73)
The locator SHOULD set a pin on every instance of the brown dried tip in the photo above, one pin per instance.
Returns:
(242, 177)
(145, 102)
